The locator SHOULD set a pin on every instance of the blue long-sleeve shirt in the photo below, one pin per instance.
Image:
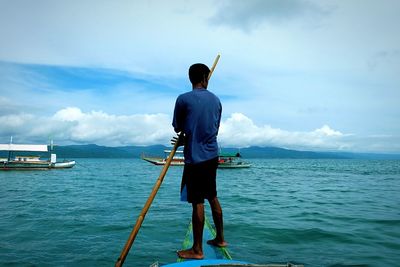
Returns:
(198, 114)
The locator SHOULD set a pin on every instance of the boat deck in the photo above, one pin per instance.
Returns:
(210, 252)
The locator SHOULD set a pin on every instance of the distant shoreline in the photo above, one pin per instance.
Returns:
(96, 151)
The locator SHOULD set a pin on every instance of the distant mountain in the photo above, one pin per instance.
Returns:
(95, 151)
(276, 152)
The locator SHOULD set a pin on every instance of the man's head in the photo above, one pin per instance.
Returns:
(198, 74)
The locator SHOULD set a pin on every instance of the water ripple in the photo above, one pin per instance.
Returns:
(315, 212)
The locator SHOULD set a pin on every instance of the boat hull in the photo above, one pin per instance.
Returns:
(233, 166)
(198, 263)
(64, 164)
(40, 165)
(25, 165)
(162, 161)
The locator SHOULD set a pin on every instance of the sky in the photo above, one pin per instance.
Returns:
(297, 74)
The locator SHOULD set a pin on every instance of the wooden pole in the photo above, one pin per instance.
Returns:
(213, 66)
(153, 193)
(146, 207)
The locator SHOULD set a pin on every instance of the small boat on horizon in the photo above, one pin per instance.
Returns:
(225, 160)
(30, 162)
(177, 160)
(232, 161)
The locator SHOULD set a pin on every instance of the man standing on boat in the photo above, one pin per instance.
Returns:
(197, 114)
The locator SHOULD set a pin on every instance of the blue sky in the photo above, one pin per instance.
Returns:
(314, 75)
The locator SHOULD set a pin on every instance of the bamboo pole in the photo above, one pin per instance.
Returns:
(213, 66)
(140, 219)
(146, 207)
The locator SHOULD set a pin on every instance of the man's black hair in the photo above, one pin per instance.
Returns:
(197, 73)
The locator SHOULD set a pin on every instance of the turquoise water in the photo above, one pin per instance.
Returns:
(314, 212)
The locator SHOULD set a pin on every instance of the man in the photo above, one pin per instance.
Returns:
(197, 115)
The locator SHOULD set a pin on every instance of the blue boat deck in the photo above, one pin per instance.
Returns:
(210, 252)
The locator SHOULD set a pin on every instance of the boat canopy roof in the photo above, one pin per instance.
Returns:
(31, 148)
(230, 155)
(177, 152)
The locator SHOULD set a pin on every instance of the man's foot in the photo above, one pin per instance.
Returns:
(217, 243)
(190, 254)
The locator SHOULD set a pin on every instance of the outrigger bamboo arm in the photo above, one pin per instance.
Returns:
(153, 193)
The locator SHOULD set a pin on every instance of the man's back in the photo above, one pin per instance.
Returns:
(198, 114)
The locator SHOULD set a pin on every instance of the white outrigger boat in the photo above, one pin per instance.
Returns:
(177, 160)
(21, 162)
(225, 160)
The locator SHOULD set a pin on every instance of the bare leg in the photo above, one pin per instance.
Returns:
(216, 210)
(196, 252)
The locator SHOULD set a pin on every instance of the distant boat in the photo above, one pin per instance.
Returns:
(231, 161)
(177, 160)
(22, 162)
(225, 160)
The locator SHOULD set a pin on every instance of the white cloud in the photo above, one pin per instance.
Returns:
(327, 131)
(69, 114)
(251, 14)
(71, 125)
(289, 60)
(240, 131)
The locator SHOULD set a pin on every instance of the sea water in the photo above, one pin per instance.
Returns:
(313, 212)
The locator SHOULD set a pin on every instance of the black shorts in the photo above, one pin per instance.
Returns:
(200, 180)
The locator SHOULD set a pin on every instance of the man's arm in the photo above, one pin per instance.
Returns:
(219, 119)
(177, 121)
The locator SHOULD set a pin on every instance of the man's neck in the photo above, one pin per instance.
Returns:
(199, 86)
